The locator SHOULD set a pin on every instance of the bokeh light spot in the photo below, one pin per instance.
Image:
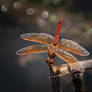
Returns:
(17, 5)
(30, 11)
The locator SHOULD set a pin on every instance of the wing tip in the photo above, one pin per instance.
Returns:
(25, 36)
(86, 53)
(20, 52)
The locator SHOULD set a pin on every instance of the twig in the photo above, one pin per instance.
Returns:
(77, 81)
(77, 76)
(77, 72)
(54, 76)
(86, 63)
(55, 81)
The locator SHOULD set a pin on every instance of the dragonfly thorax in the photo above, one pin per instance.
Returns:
(52, 51)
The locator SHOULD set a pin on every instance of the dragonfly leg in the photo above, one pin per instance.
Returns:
(49, 61)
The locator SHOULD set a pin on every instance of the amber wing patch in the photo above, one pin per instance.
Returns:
(69, 58)
(32, 49)
(72, 46)
(42, 38)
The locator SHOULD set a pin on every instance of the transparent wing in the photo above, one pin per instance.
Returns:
(72, 46)
(67, 57)
(38, 37)
(32, 49)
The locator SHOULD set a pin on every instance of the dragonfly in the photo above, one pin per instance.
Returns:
(53, 46)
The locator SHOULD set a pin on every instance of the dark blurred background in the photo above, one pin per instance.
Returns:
(31, 73)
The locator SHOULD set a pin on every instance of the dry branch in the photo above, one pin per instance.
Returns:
(86, 63)
(77, 72)
(80, 66)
